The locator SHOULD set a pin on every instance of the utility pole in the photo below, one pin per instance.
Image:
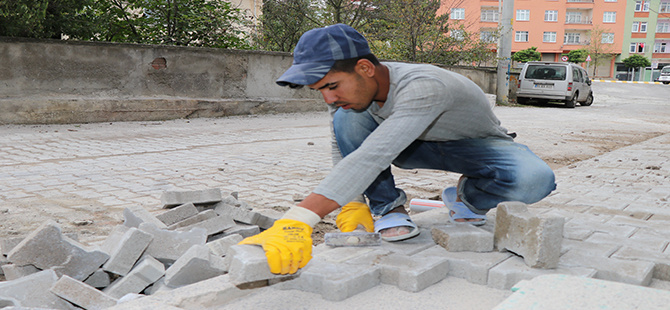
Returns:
(504, 50)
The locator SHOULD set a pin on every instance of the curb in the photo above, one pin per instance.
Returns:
(632, 82)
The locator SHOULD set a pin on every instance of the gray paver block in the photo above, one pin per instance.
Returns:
(243, 230)
(334, 281)
(113, 239)
(342, 254)
(413, 273)
(82, 294)
(463, 237)
(237, 213)
(213, 225)
(220, 247)
(158, 286)
(612, 269)
(593, 249)
(202, 216)
(564, 292)
(167, 246)
(33, 291)
(7, 244)
(248, 263)
(508, 273)
(178, 214)
(661, 261)
(267, 218)
(13, 272)
(195, 265)
(411, 246)
(473, 266)
(127, 251)
(99, 279)
(136, 215)
(171, 199)
(538, 240)
(47, 248)
(147, 271)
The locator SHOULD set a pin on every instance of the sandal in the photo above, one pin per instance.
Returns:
(459, 209)
(391, 220)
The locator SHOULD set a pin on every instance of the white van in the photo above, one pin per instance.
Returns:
(665, 75)
(554, 81)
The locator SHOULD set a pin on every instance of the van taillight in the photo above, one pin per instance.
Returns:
(570, 86)
(518, 84)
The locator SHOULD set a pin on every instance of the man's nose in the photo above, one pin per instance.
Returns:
(329, 97)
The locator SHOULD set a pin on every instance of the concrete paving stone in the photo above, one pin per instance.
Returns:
(7, 244)
(114, 238)
(244, 230)
(13, 272)
(136, 215)
(171, 199)
(158, 286)
(237, 213)
(462, 237)
(201, 216)
(508, 273)
(650, 243)
(98, 279)
(195, 265)
(565, 292)
(411, 246)
(47, 248)
(267, 217)
(33, 291)
(537, 239)
(127, 251)
(334, 282)
(147, 271)
(220, 247)
(473, 266)
(661, 261)
(167, 245)
(612, 269)
(589, 248)
(3, 261)
(428, 219)
(178, 214)
(213, 225)
(342, 254)
(82, 294)
(413, 273)
(248, 263)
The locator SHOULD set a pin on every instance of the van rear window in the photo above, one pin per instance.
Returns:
(543, 72)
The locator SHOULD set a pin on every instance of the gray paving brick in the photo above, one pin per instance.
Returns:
(411, 246)
(244, 230)
(413, 273)
(267, 218)
(167, 246)
(213, 225)
(220, 247)
(98, 279)
(7, 244)
(202, 216)
(612, 269)
(136, 215)
(33, 291)
(237, 213)
(508, 273)
(171, 199)
(590, 248)
(178, 214)
(651, 243)
(13, 272)
(661, 261)
(147, 271)
(81, 294)
(473, 266)
(462, 237)
(47, 248)
(342, 254)
(538, 240)
(127, 251)
(195, 265)
(248, 263)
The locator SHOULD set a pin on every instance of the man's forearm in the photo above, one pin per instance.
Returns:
(319, 204)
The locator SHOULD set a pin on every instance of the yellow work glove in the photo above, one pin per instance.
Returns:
(354, 214)
(287, 245)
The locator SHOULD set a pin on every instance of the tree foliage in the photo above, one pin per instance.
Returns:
(636, 61)
(529, 54)
(599, 50)
(577, 56)
(45, 18)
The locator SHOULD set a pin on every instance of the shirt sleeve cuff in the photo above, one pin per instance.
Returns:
(303, 215)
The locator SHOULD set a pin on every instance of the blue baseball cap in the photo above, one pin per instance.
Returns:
(318, 49)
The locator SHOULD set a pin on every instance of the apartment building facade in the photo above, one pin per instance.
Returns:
(556, 27)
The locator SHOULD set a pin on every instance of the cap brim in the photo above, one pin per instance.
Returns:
(305, 74)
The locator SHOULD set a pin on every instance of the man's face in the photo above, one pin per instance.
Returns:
(346, 90)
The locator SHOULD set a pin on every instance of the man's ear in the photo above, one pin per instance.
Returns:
(365, 67)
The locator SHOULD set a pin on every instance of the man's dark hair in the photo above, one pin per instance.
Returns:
(348, 65)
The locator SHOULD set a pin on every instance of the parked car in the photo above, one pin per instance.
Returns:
(554, 81)
(665, 75)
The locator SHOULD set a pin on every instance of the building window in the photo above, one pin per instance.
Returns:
(608, 38)
(571, 38)
(609, 17)
(663, 27)
(573, 17)
(610, 0)
(490, 15)
(664, 8)
(550, 16)
(659, 47)
(643, 26)
(521, 36)
(523, 15)
(458, 34)
(636, 48)
(639, 27)
(642, 6)
(487, 36)
(549, 37)
(632, 48)
(457, 13)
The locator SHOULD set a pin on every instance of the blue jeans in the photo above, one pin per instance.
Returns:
(495, 170)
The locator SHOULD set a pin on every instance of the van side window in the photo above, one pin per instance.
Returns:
(576, 75)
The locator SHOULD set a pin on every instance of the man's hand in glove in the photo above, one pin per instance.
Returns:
(354, 214)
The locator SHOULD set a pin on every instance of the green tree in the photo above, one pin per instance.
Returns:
(46, 18)
(636, 61)
(577, 56)
(529, 54)
(598, 47)
(282, 24)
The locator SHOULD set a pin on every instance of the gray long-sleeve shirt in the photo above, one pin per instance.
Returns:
(424, 102)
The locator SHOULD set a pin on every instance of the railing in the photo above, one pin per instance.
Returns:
(580, 1)
(580, 22)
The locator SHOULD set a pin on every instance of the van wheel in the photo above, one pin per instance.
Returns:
(572, 102)
(588, 102)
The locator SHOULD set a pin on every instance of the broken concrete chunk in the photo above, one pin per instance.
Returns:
(134, 216)
(195, 265)
(178, 214)
(99, 279)
(220, 247)
(7, 244)
(202, 216)
(171, 199)
(47, 248)
(127, 251)
(167, 246)
(33, 291)
(82, 294)
(148, 271)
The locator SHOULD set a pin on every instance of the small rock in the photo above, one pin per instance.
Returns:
(82, 222)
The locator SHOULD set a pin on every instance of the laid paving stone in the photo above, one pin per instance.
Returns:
(202, 216)
(127, 251)
(178, 214)
(220, 247)
(661, 261)
(593, 249)
(474, 267)
(33, 291)
(538, 240)
(238, 214)
(650, 243)
(411, 246)
(13, 272)
(167, 246)
(564, 292)
(462, 237)
(171, 199)
(213, 225)
(413, 273)
(195, 265)
(248, 263)
(612, 269)
(81, 294)
(342, 254)
(136, 215)
(508, 273)
(147, 271)
(47, 248)
(99, 279)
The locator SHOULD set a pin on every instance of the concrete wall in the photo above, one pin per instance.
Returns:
(52, 81)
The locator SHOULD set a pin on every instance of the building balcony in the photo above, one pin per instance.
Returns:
(580, 1)
(579, 22)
